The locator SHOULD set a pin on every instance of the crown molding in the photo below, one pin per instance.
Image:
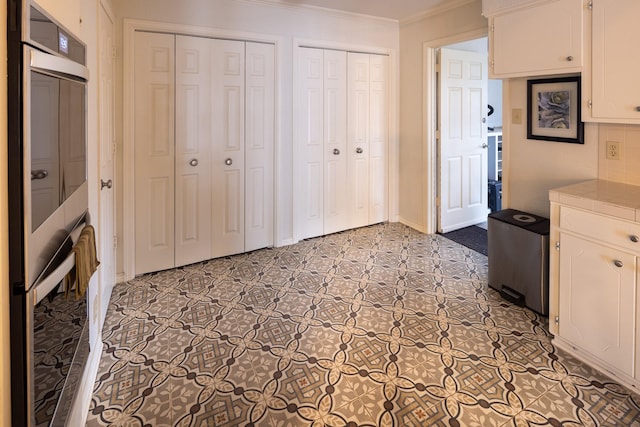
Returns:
(319, 10)
(449, 5)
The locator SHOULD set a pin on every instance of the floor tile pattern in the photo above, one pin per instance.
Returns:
(379, 326)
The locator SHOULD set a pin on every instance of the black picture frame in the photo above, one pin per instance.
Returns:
(554, 110)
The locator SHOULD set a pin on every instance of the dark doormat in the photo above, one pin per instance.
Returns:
(472, 237)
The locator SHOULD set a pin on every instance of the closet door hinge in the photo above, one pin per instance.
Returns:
(114, 52)
(590, 5)
(557, 320)
(557, 246)
(589, 104)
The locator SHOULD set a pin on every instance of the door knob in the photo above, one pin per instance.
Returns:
(569, 58)
(194, 162)
(618, 263)
(359, 150)
(484, 146)
(634, 239)
(39, 174)
(336, 151)
(228, 162)
(107, 184)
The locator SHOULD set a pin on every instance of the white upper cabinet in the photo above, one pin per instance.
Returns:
(610, 79)
(540, 39)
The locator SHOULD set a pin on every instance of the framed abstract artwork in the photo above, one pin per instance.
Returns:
(553, 110)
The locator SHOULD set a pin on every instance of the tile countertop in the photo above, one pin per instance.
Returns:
(605, 197)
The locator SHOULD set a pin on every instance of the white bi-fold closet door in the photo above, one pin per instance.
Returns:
(343, 140)
(204, 147)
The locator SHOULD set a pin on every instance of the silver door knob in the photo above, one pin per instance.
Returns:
(484, 146)
(194, 162)
(336, 151)
(228, 162)
(569, 58)
(618, 263)
(39, 174)
(359, 150)
(484, 120)
(634, 239)
(638, 108)
(107, 184)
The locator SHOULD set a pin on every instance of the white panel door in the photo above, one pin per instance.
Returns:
(228, 100)
(259, 145)
(336, 183)
(463, 139)
(309, 185)
(358, 106)
(193, 150)
(106, 232)
(154, 83)
(379, 139)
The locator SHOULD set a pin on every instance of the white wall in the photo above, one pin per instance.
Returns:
(414, 173)
(285, 22)
(533, 167)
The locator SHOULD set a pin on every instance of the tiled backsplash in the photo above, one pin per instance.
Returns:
(627, 168)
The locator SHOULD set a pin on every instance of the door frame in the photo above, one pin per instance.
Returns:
(130, 26)
(430, 175)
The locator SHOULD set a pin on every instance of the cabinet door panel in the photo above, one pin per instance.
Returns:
(597, 300)
(615, 62)
(520, 45)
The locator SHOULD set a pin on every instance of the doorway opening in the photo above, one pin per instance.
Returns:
(468, 141)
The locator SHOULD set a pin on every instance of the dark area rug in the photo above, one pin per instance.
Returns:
(472, 237)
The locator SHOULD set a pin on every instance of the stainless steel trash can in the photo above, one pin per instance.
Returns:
(518, 251)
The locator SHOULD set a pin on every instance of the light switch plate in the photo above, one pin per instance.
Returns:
(516, 116)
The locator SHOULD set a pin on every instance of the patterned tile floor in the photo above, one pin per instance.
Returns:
(379, 326)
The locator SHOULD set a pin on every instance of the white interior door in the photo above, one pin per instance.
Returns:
(463, 139)
(154, 82)
(228, 183)
(310, 183)
(106, 231)
(358, 137)
(336, 184)
(193, 150)
(259, 145)
(379, 139)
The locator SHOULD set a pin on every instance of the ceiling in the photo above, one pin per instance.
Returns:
(392, 9)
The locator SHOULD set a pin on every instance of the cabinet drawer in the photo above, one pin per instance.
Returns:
(609, 230)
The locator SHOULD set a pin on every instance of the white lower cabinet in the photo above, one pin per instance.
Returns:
(597, 300)
(594, 288)
(204, 148)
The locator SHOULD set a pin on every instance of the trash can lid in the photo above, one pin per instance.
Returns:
(531, 222)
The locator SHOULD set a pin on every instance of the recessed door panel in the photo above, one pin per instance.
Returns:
(228, 185)
(154, 85)
(193, 150)
(259, 145)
